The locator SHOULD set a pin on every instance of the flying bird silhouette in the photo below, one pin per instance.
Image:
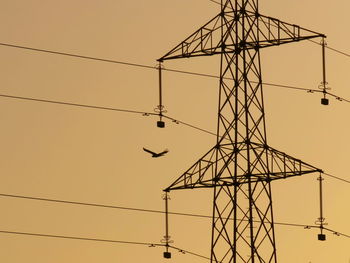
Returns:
(156, 155)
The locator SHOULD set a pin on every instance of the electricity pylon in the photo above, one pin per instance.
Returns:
(241, 165)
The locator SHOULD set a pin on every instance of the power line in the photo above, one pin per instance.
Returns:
(100, 205)
(76, 55)
(119, 241)
(76, 104)
(337, 233)
(154, 67)
(189, 125)
(188, 252)
(331, 48)
(338, 178)
(337, 97)
(338, 51)
(80, 238)
(215, 2)
(315, 227)
(142, 210)
(100, 240)
(263, 83)
(144, 113)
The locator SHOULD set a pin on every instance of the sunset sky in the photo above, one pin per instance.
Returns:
(94, 156)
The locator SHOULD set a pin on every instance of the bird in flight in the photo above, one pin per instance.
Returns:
(156, 155)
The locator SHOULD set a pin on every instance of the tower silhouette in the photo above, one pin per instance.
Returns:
(241, 165)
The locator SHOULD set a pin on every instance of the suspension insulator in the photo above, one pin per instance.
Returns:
(160, 108)
(324, 83)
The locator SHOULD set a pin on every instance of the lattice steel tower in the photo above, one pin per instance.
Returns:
(241, 165)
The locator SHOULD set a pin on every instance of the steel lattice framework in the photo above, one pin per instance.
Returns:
(241, 165)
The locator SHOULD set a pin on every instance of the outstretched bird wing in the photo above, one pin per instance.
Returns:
(163, 152)
(146, 150)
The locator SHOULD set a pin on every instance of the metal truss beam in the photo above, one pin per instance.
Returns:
(208, 40)
(212, 168)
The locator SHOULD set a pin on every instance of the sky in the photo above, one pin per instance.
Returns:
(88, 155)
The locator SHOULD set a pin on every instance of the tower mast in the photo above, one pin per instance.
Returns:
(241, 165)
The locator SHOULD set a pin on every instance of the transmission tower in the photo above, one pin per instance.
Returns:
(241, 165)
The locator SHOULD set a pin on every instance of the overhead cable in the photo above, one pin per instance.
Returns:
(331, 48)
(188, 252)
(338, 178)
(100, 240)
(154, 67)
(337, 233)
(99, 205)
(144, 113)
(188, 124)
(215, 2)
(76, 104)
(76, 55)
(141, 209)
(80, 238)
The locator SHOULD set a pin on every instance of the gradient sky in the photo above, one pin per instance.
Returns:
(95, 156)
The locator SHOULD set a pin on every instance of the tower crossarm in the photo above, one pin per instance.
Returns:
(275, 32)
(208, 40)
(268, 164)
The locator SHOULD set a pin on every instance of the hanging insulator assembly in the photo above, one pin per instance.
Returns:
(321, 220)
(167, 239)
(323, 86)
(160, 108)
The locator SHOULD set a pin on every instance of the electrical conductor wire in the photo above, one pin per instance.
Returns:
(154, 67)
(79, 238)
(76, 55)
(76, 104)
(338, 178)
(143, 210)
(98, 240)
(144, 113)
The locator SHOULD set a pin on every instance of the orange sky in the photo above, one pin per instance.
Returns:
(95, 156)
